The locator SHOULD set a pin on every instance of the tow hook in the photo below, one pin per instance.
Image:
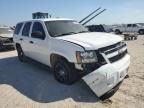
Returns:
(127, 76)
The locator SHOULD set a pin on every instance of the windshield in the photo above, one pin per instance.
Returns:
(5, 31)
(61, 28)
(140, 25)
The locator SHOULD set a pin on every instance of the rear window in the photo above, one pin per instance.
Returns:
(18, 28)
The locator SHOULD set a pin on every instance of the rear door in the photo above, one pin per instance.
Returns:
(17, 33)
(25, 34)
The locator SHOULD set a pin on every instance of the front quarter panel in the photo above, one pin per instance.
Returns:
(65, 49)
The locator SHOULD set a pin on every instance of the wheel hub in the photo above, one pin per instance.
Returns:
(61, 73)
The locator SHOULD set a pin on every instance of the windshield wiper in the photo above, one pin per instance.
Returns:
(65, 34)
(70, 33)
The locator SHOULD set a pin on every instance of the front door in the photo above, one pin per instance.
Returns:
(129, 28)
(38, 43)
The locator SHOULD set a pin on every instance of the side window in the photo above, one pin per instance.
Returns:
(134, 25)
(38, 31)
(26, 29)
(18, 28)
(129, 25)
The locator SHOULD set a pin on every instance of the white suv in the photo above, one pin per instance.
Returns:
(70, 49)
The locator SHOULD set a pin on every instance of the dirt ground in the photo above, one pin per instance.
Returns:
(31, 85)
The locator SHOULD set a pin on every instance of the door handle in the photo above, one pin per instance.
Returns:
(21, 39)
(31, 42)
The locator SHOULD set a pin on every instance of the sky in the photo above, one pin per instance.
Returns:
(118, 11)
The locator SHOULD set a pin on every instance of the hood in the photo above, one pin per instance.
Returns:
(6, 35)
(92, 41)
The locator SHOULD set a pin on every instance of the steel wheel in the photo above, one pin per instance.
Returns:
(64, 72)
(60, 73)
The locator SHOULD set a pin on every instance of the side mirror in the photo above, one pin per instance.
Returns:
(37, 34)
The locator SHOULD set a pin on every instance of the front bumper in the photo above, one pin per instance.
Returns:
(108, 76)
(111, 92)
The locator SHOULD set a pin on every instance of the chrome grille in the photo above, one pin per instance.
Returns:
(118, 57)
(115, 52)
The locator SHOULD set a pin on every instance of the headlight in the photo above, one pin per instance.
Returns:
(86, 57)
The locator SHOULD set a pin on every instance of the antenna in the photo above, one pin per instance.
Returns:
(90, 14)
(94, 17)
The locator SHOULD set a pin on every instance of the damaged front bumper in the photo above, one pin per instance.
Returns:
(107, 78)
(110, 92)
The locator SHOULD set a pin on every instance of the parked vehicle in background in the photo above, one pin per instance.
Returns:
(6, 37)
(129, 28)
(96, 28)
(108, 28)
(99, 28)
(71, 50)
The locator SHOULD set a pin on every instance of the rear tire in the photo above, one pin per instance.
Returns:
(21, 55)
(64, 72)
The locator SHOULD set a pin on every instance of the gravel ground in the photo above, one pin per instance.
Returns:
(31, 85)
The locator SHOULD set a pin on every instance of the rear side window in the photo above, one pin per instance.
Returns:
(26, 29)
(18, 28)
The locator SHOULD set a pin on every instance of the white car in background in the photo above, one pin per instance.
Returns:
(70, 50)
(135, 28)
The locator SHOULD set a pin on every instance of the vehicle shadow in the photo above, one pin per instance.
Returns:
(36, 81)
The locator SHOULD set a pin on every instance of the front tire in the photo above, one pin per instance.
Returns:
(141, 32)
(64, 72)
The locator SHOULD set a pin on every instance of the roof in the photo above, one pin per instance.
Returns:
(49, 19)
